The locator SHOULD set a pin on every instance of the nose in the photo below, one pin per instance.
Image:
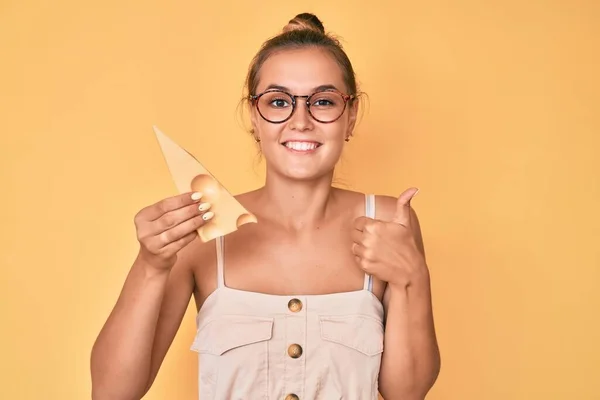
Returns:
(301, 119)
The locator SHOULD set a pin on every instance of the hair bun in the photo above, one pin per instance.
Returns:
(305, 21)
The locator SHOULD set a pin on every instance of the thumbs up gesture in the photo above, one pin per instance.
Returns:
(390, 250)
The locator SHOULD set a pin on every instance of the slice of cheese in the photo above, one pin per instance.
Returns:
(190, 175)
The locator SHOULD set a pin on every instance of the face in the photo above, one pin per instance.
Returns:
(302, 148)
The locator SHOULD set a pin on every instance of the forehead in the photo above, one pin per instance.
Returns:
(301, 70)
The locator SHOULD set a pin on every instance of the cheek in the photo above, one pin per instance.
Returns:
(337, 130)
(267, 130)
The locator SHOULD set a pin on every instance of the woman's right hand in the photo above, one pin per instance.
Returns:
(166, 227)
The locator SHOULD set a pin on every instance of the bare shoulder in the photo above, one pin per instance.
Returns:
(350, 201)
(196, 256)
(199, 258)
(247, 198)
(385, 207)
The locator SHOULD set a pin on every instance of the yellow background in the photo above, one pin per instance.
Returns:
(490, 107)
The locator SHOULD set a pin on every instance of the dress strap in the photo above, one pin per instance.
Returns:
(369, 212)
(220, 278)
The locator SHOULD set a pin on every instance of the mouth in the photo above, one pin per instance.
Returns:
(302, 146)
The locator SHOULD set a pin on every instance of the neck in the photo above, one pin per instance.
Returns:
(297, 205)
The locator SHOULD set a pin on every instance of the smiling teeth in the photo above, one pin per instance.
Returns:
(301, 146)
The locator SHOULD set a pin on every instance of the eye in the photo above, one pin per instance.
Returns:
(323, 103)
(279, 103)
(326, 100)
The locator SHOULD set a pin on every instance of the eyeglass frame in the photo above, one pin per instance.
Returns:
(346, 97)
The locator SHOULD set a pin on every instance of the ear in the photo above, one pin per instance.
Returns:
(253, 119)
(352, 116)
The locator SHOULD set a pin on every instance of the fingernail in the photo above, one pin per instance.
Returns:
(204, 206)
(196, 196)
(208, 215)
(416, 192)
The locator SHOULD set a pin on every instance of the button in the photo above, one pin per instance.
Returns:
(295, 350)
(292, 396)
(295, 305)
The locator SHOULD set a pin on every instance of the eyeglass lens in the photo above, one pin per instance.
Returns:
(276, 106)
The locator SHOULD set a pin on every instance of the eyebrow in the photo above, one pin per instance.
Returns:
(317, 89)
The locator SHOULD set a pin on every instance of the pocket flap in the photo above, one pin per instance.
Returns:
(358, 332)
(225, 333)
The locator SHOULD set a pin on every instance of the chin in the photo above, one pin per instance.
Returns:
(307, 175)
(299, 173)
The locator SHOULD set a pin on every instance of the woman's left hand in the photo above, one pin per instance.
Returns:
(389, 250)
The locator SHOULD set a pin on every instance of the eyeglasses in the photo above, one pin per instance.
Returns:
(277, 106)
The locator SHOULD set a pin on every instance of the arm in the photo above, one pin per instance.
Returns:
(411, 360)
(134, 340)
(136, 336)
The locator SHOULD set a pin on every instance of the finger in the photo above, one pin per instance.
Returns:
(164, 206)
(357, 236)
(362, 256)
(402, 215)
(174, 234)
(361, 222)
(176, 217)
(174, 247)
(358, 250)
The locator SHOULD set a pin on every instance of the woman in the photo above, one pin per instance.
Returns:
(298, 306)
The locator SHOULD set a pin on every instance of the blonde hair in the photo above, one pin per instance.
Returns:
(304, 30)
(305, 21)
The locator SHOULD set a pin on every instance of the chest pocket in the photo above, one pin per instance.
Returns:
(231, 347)
(354, 344)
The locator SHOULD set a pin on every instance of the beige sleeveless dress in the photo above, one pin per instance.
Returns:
(256, 346)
